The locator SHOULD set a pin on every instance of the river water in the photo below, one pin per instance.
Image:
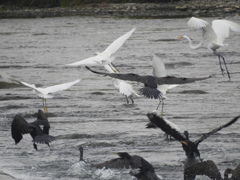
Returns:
(92, 113)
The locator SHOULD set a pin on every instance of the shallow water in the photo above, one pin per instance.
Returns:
(94, 114)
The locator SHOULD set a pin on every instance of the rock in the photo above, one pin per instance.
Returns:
(229, 10)
(182, 8)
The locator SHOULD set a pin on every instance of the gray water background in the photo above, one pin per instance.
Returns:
(94, 114)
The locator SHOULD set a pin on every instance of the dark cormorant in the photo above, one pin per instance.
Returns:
(20, 126)
(174, 126)
(235, 173)
(150, 89)
(145, 170)
(190, 147)
(207, 168)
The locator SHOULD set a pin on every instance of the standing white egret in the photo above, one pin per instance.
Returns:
(46, 93)
(122, 86)
(212, 36)
(105, 57)
(159, 70)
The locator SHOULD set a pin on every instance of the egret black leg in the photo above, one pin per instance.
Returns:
(131, 99)
(158, 104)
(219, 59)
(226, 67)
(113, 67)
(127, 99)
(162, 107)
(223, 59)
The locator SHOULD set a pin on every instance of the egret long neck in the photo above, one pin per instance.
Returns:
(191, 44)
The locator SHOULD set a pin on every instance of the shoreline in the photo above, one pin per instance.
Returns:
(199, 8)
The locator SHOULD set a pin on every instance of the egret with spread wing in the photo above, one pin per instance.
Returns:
(105, 57)
(212, 36)
(46, 93)
(20, 126)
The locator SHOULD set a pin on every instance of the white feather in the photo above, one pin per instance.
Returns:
(46, 93)
(212, 36)
(105, 57)
(122, 86)
(159, 70)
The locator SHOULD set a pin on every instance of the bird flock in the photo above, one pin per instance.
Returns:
(155, 87)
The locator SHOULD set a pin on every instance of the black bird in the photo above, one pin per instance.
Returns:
(235, 173)
(190, 147)
(174, 126)
(150, 82)
(210, 169)
(145, 170)
(20, 126)
(207, 168)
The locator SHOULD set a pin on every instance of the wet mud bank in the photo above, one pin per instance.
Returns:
(204, 8)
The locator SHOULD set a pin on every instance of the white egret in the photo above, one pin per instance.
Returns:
(105, 57)
(46, 93)
(122, 86)
(159, 70)
(212, 36)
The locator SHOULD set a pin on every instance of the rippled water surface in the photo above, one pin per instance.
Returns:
(94, 114)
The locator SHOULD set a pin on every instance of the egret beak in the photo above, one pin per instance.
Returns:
(180, 37)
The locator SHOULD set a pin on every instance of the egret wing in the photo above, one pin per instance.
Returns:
(158, 67)
(19, 127)
(222, 28)
(28, 85)
(91, 61)
(208, 33)
(61, 87)
(115, 45)
(164, 126)
(216, 130)
(196, 23)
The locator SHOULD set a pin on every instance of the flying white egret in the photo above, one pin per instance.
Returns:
(122, 86)
(46, 93)
(159, 70)
(105, 57)
(212, 36)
